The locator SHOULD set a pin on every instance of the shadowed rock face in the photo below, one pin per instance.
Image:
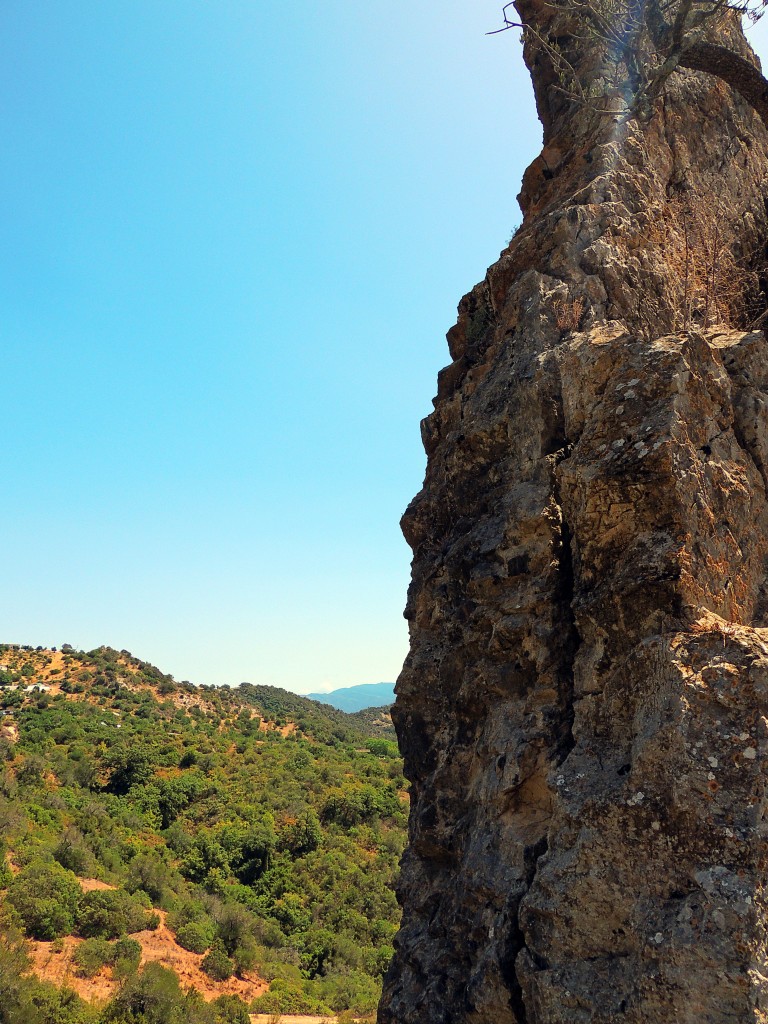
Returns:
(581, 711)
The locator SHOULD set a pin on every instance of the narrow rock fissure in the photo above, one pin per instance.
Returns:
(517, 941)
(743, 443)
(516, 1000)
(565, 740)
(565, 597)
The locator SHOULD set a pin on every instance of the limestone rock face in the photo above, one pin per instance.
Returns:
(582, 709)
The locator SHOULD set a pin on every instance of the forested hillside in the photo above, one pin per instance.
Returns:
(173, 852)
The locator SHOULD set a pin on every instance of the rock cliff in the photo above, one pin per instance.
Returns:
(582, 709)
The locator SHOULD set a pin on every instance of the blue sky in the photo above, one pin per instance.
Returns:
(235, 233)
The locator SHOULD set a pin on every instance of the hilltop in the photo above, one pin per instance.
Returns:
(234, 847)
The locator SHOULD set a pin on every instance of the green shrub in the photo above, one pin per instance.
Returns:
(31, 771)
(151, 874)
(231, 1010)
(107, 913)
(383, 748)
(245, 955)
(91, 955)
(376, 960)
(26, 1000)
(153, 996)
(216, 964)
(303, 836)
(290, 996)
(46, 898)
(6, 875)
(126, 957)
(130, 765)
(354, 991)
(194, 937)
(72, 852)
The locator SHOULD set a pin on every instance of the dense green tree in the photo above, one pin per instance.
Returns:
(25, 1000)
(302, 836)
(249, 849)
(14, 963)
(91, 955)
(31, 771)
(177, 794)
(194, 936)
(72, 852)
(206, 855)
(108, 913)
(126, 956)
(152, 873)
(128, 765)
(230, 1010)
(46, 898)
(318, 946)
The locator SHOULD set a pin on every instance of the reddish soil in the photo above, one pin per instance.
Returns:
(52, 961)
(290, 1018)
(9, 730)
(90, 884)
(160, 946)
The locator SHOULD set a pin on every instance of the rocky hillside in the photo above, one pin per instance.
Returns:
(224, 850)
(582, 709)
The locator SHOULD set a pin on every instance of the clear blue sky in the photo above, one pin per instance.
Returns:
(234, 235)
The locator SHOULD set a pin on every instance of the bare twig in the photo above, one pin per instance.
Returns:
(646, 41)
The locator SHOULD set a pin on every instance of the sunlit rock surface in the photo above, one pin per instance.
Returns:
(582, 709)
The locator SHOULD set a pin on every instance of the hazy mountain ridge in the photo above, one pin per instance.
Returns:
(357, 698)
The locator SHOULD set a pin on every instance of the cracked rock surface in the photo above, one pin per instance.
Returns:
(582, 709)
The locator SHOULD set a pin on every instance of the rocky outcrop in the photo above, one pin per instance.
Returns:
(582, 709)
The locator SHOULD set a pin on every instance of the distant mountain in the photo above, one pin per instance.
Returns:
(356, 698)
